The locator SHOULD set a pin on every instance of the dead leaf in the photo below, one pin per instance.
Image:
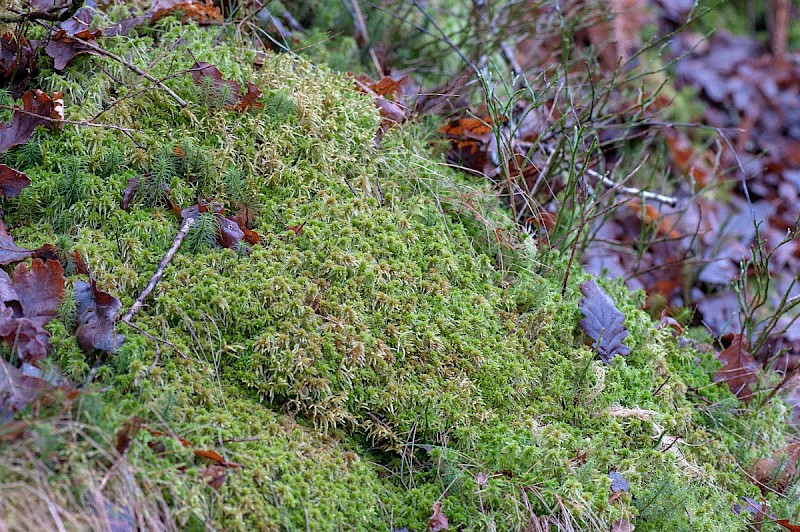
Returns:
(438, 520)
(64, 46)
(214, 457)
(203, 14)
(28, 301)
(230, 234)
(17, 390)
(37, 106)
(9, 251)
(127, 433)
(618, 486)
(778, 472)
(622, 525)
(215, 475)
(739, 368)
(96, 313)
(12, 181)
(787, 525)
(231, 90)
(603, 322)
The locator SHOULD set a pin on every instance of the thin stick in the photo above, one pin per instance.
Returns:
(50, 15)
(131, 66)
(630, 191)
(69, 122)
(187, 224)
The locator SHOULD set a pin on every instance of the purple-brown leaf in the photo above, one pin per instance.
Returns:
(9, 251)
(17, 389)
(738, 368)
(96, 313)
(12, 181)
(37, 107)
(603, 322)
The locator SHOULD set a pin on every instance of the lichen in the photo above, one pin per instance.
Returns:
(393, 353)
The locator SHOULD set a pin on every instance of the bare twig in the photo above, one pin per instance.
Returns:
(630, 191)
(50, 15)
(187, 224)
(131, 66)
(362, 34)
(68, 122)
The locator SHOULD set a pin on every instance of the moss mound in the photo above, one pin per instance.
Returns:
(363, 368)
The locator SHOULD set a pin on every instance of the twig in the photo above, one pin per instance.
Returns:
(131, 66)
(69, 122)
(630, 191)
(363, 35)
(187, 224)
(50, 15)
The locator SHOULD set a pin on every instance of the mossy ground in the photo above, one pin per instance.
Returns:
(379, 361)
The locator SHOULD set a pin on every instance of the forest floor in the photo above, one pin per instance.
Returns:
(399, 266)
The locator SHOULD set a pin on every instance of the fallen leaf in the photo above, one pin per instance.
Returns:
(603, 322)
(738, 368)
(12, 181)
(127, 433)
(64, 46)
(9, 251)
(622, 525)
(215, 475)
(787, 525)
(96, 313)
(28, 301)
(250, 236)
(17, 390)
(618, 483)
(203, 14)
(230, 234)
(296, 229)
(128, 193)
(438, 520)
(214, 457)
(777, 473)
(231, 90)
(37, 107)
(40, 289)
(17, 62)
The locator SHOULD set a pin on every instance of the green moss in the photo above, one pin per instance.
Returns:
(381, 359)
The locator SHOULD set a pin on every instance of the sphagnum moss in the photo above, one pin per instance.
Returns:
(377, 361)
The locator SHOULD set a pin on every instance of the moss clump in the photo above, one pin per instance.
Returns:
(375, 362)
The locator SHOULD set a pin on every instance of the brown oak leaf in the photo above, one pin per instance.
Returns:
(738, 368)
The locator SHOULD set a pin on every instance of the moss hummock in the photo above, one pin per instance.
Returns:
(398, 351)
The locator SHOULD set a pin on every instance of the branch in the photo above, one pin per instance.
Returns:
(50, 15)
(68, 122)
(131, 66)
(187, 224)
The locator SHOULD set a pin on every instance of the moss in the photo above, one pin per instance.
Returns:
(389, 355)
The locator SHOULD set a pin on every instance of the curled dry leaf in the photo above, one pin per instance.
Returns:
(603, 322)
(96, 313)
(438, 520)
(738, 368)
